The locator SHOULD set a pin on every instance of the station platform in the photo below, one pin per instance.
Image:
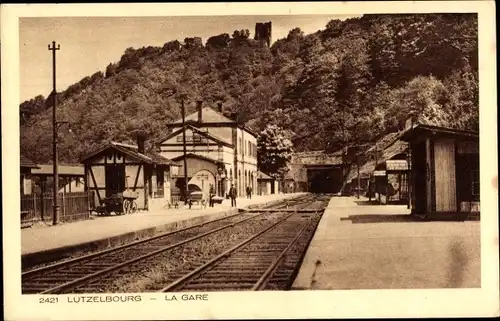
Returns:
(363, 246)
(46, 243)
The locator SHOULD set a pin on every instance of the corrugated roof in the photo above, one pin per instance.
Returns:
(385, 141)
(397, 147)
(27, 163)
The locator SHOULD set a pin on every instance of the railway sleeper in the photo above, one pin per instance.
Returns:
(207, 285)
(230, 279)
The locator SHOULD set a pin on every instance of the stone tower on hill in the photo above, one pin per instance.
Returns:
(263, 32)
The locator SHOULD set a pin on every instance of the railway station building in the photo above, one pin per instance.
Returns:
(120, 168)
(444, 171)
(220, 152)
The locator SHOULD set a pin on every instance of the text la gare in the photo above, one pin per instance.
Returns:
(187, 297)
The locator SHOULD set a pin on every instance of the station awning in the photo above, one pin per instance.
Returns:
(397, 147)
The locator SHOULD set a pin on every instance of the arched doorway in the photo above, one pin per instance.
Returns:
(202, 179)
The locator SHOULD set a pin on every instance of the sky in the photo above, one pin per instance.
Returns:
(89, 44)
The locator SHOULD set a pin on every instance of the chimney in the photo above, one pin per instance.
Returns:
(200, 113)
(140, 143)
(219, 107)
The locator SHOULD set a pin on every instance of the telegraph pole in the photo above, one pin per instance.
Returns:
(184, 149)
(55, 216)
(357, 164)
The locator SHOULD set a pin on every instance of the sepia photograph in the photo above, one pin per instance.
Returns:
(179, 158)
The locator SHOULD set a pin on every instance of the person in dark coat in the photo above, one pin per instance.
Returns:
(232, 195)
(211, 195)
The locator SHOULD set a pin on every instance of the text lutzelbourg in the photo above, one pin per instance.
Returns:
(132, 298)
(104, 298)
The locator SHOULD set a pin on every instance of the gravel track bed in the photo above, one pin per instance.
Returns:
(80, 254)
(46, 279)
(286, 272)
(152, 274)
(279, 204)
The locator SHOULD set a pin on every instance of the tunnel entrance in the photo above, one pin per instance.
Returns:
(325, 179)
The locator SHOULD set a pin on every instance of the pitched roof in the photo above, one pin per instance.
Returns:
(48, 169)
(132, 151)
(209, 115)
(263, 176)
(419, 129)
(201, 132)
(27, 163)
(158, 159)
(188, 155)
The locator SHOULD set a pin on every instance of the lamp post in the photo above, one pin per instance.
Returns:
(184, 152)
(55, 215)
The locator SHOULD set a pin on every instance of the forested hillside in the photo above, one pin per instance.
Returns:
(352, 82)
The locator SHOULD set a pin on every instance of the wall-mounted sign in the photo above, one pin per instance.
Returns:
(379, 173)
(396, 165)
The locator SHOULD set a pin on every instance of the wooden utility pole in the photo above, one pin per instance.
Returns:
(55, 214)
(184, 151)
(357, 164)
(375, 177)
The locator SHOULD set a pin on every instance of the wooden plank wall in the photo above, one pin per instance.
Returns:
(429, 174)
(444, 155)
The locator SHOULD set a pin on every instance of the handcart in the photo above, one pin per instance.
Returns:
(120, 204)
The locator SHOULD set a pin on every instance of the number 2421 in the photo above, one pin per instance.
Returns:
(48, 300)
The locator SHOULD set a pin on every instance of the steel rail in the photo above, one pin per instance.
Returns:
(51, 267)
(266, 276)
(202, 268)
(77, 282)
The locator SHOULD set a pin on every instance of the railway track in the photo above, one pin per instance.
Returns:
(69, 275)
(267, 260)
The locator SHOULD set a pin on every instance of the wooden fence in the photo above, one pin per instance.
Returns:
(38, 207)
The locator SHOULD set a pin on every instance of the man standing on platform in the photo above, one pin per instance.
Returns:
(211, 194)
(232, 195)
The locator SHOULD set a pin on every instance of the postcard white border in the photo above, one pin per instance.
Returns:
(301, 304)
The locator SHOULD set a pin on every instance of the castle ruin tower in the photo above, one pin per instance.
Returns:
(263, 32)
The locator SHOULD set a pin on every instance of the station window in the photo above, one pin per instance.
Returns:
(22, 184)
(475, 183)
(160, 179)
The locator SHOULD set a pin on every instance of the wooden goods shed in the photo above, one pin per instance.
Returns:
(444, 171)
(117, 168)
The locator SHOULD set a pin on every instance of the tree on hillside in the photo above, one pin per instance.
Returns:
(274, 151)
(351, 83)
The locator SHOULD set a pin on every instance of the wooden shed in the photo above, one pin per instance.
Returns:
(118, 168)
(444, 171)
(27, 167)
(265, 184)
